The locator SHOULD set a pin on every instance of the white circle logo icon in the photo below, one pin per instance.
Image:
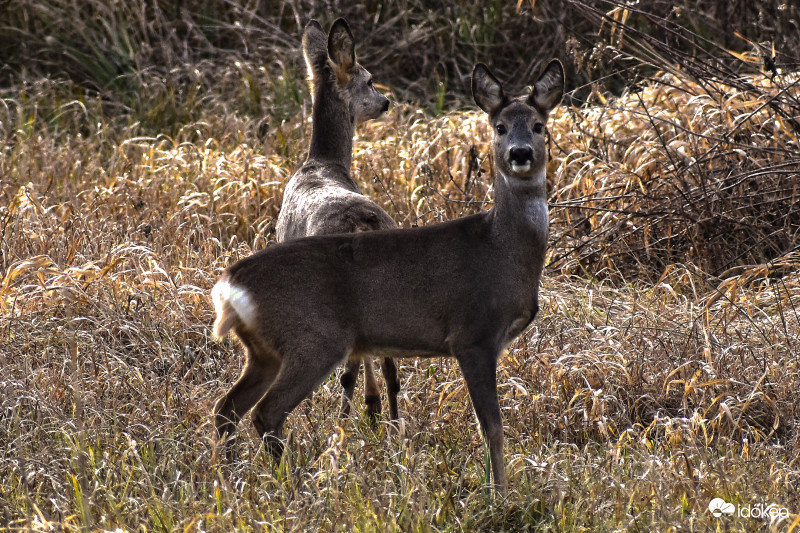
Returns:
(719, 507)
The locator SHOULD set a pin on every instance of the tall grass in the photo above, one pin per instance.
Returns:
(661, 373)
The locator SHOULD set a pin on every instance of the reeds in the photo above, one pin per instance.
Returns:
(661, 373)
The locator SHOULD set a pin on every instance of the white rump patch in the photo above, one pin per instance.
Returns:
(239, 302)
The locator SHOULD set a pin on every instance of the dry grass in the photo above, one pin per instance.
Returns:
(679, 172)
(626, 405)
(661, 373)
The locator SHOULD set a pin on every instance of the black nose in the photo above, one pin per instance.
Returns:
(520, 156)
(386, 106)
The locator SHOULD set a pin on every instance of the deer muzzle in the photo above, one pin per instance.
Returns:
(520, 158)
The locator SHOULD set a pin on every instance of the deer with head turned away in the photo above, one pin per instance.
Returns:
(464, 288)
(322, 198)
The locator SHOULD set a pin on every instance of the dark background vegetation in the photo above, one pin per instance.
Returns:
(415, 46)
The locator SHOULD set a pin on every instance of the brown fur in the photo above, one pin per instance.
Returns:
(322, 198)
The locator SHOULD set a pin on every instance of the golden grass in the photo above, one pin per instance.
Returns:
(639, 394)
(674, 173)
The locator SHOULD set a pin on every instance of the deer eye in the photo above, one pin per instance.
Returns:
(501, 129)
(538, 127)
(369, 83)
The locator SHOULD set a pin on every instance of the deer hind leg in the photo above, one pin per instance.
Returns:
(348, 380)
(261, 367)
(392, 385)
(300, 374)
(372, 393)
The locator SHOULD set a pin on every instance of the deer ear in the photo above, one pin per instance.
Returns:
(315, 48)
(341, 48)
(549, 88)
(486, 90)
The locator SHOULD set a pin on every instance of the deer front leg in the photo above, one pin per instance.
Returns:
(392, 386)
(479, 367)
(348, 381)
(372, 393)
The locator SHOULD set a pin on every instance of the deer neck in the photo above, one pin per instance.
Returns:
(520, 213)
(333, 127)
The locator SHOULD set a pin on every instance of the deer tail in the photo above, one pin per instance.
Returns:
(234, 306)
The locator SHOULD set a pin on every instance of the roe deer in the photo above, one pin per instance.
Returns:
(463, 288)
(322, 198)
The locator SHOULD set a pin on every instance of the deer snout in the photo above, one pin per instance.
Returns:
(385, 105)
(520, 157)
